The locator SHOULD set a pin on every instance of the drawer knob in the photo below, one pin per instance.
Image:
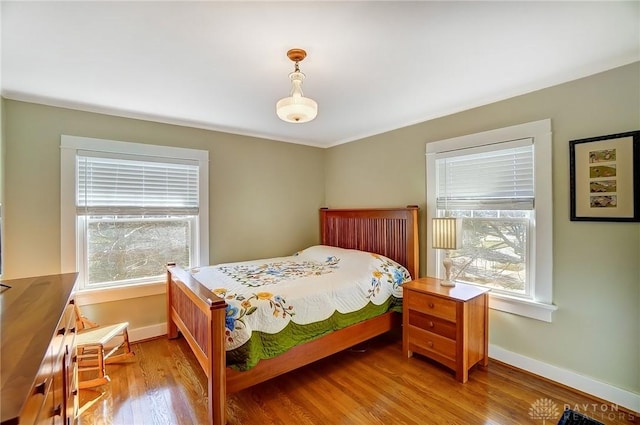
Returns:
(431, 305)
(431, 325)
(39, 389)
(430, 344)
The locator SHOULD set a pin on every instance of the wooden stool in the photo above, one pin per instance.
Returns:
(99, 345)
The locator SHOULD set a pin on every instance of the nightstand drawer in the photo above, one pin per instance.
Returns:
(433, 324)
(430, 342)
(433, 306)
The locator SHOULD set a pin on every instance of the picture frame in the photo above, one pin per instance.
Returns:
(605, 178)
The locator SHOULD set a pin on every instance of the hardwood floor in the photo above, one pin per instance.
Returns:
(163, 384)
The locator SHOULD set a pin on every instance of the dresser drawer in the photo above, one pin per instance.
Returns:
(70, 400)
(428, 342)
(34, 403)
(66, 328)
(48, 412)
(432, 305)
(432, 324)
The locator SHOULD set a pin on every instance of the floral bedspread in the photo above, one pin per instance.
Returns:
(320, 284)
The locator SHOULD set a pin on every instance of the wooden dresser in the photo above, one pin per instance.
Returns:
(447, 324)
(38, 374)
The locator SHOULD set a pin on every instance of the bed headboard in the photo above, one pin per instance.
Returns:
(392, 232)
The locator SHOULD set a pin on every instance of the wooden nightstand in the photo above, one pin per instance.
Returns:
(447, 324)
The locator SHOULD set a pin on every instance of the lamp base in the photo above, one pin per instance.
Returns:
(447, 271)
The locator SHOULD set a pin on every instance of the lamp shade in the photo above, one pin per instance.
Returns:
(296, 108)
(447, 233)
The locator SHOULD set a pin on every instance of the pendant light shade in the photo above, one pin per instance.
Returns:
(296, 108)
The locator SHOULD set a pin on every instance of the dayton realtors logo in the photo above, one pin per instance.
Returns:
(544, 409)
(547, 410)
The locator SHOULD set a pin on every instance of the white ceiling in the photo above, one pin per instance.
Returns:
(372, 66)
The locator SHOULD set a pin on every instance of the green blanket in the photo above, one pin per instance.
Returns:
(265, 346)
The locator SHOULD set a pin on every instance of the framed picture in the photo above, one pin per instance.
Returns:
(605, 178)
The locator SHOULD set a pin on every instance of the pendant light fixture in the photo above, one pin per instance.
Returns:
(296, 108)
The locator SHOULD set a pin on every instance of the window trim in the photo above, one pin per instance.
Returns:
(69, 235)
(117, 293)
(540, 306)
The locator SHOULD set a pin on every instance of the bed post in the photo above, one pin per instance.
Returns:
(323, 224)
(217, 382)
(413, 238)
(172, 329)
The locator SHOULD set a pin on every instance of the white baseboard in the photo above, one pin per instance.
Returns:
(601, 390)
(147, 332)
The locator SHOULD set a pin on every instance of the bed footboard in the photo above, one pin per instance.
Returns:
(199, 315)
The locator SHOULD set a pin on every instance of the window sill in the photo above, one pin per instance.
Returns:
(527, 308)
(104, 295)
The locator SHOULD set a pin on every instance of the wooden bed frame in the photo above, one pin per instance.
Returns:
(199, 315)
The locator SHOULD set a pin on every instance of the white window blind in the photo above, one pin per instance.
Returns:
(122, 184)
(496, 177)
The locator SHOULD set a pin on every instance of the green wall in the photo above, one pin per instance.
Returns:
(596, 329)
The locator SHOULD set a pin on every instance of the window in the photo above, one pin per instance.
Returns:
(499, 182)
(131, 208)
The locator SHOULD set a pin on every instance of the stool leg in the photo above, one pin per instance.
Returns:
(101, 367)
(102, 378)
(127, 346)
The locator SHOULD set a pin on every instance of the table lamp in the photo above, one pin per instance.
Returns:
(447, 235)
